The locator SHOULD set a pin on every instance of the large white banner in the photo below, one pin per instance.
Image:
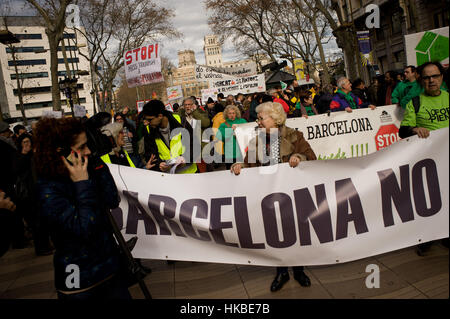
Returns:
(143, 66)
(245, 85)
(427, 46)
(321, 212)
(340, 134)
(207, 73)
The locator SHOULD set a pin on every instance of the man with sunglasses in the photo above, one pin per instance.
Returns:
(430, 110)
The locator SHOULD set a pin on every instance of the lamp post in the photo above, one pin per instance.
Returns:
(67, 87)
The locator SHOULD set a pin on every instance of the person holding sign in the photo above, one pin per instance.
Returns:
(277, 143)
(172, 149)
(345, 100)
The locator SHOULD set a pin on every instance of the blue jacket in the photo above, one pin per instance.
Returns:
(79, 226)
(339, 103)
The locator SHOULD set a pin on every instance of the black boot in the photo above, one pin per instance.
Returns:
(302, 278)
(279, 281)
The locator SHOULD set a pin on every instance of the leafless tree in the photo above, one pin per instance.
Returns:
(276, 27)
(114, 26)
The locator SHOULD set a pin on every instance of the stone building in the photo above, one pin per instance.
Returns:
(397, 19)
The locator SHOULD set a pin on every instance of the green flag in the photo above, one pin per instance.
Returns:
(283, 85)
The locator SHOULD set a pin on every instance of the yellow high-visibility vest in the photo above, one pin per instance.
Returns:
(176, 149)
(107, 160)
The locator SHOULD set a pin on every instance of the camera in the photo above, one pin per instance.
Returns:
(98, 143)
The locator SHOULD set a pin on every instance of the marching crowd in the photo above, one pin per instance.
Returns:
(54, 192)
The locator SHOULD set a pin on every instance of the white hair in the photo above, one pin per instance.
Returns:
(274, 110)
(341, 81)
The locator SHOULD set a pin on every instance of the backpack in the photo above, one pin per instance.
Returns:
(416, 103)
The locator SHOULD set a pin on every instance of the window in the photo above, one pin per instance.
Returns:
(379, 34)
(32, 75)
(70, 60)
(69, 35)
(28, 36)
(38, 105)
(64, 73)
(412, 21)
(396, 23)
(24, 49)
(69, 48)
(28, 62)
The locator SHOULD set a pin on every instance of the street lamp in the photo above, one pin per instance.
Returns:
(67, 87)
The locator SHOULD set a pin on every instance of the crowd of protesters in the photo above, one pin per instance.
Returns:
(49, 164)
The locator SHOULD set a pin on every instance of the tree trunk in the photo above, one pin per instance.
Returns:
(326, 73)
(345, 40)
(53, 41)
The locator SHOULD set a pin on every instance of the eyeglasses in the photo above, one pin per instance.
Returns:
(434, 76)
(188, 104)
(260, 119)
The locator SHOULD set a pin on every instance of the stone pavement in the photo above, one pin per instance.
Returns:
(403, 275)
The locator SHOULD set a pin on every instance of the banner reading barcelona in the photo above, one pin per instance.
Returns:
(321, 212)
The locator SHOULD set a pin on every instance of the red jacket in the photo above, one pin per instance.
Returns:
(283, 103)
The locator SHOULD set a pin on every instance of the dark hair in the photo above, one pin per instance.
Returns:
(20, 140)
(423, 66)
(154, 108)
(50, 135)
(412, 67)
(18, 127)
(304, 95)
(357, 82)
(392, 74)
(175, 107)
(117, 115)
(210, 100)
(220, 95)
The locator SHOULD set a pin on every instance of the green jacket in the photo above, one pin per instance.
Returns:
(415, 90)
(226, 134)
(401, 90)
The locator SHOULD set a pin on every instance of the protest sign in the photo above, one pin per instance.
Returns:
(54, 114)
(340, 134)
(427, 46)
(206, 73)
(143, 66)
(79, 110)
(318, 213)
(245, 85)
(174, 93)
(209, 93)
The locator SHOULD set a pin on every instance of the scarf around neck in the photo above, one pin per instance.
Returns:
(348, 98)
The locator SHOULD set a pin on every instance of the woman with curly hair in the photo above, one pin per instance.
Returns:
(232, 116)
(74, 193)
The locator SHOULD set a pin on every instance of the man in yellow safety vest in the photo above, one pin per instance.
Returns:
(169, 139)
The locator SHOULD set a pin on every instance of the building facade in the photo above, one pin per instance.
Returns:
(33, 62)
(184, 75)
(397, 19)
(213, 51)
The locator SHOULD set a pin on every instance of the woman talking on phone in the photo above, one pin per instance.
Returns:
(73, 194)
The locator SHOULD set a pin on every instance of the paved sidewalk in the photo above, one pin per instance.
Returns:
(403, 275)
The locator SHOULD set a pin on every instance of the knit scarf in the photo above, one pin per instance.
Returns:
(348, 98)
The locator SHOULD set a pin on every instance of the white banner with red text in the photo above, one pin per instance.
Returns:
(319, 213)
(143, 66)
(340, 134)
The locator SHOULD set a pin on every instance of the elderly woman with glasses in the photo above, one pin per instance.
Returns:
(281, 144)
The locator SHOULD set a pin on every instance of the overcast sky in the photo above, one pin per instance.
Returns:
(190, 19)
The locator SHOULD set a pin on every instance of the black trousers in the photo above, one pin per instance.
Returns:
(283, 270)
